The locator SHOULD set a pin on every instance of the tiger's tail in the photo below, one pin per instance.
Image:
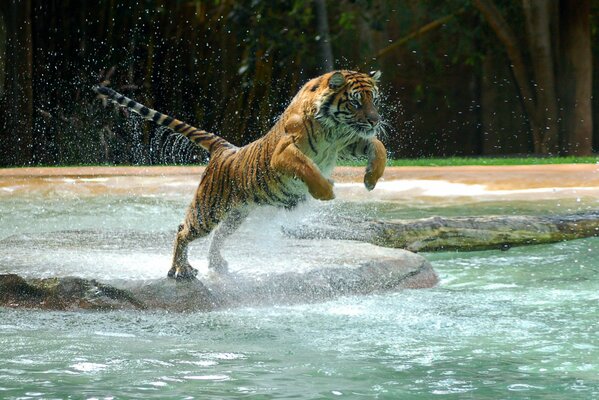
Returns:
(206, 140)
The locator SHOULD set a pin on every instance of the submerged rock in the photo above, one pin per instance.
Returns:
(405, 270)
(408, 270)
(63, 294)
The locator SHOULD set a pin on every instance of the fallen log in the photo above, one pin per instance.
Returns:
(458, 233)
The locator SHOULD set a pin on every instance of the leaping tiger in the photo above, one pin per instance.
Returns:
(332, 115)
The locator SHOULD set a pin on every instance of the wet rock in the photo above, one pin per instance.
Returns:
(405, 270)
(458, 233)
(16, 292)
(169, 294)
(68, 293)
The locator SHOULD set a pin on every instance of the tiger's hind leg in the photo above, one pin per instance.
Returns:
(188, 231)
(230, 223)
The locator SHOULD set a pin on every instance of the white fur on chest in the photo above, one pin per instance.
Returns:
(328, 145)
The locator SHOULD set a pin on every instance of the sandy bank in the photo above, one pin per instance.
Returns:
(493, 177)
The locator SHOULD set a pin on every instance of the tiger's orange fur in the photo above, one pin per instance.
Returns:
(332, 115)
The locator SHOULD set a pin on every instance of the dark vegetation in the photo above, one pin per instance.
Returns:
(461, 77)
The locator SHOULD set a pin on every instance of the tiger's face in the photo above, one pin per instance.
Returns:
(350, 101)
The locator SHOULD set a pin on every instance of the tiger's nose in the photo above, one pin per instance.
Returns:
(373, 118)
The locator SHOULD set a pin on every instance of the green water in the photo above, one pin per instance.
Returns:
(517, 324)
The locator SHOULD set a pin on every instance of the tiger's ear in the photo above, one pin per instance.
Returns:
(376, 75)
(336, 80)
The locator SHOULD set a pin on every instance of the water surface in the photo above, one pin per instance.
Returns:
(514, 324)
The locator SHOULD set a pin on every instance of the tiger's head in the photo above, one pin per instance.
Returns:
(348, 100)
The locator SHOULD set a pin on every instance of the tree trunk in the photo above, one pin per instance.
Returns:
(2, 53)
(325, 39)
(504, 126)
(17, 101)
(537, 15)
(576, 69)
(507, 37)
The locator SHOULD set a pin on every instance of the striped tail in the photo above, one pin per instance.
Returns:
(207, 140)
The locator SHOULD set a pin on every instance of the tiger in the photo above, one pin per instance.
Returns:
(333, 116)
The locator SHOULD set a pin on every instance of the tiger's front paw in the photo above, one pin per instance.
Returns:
(370, 180)
(376, 164)
(322, 191)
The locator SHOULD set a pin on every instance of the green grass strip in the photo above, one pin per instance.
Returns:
(415, 162)
(460, 161)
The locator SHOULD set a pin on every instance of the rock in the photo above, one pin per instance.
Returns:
(459, 233)
(63, 294)
(404, 270)
(15, 292)
(407, 271)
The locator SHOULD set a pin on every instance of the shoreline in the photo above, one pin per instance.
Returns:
(493, 177)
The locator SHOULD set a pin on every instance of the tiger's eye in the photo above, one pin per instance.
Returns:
(355, 103)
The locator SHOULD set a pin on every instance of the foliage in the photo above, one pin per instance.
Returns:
(232, 67)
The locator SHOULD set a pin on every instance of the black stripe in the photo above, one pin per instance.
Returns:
(252, 159)
(244, 158)
(214, 142)
(156, 117)
(131, 104)
(218, 173)
(195, 136)
(309, 132)
(365, 148)
(178, 127)
(287, 194)
(282, 187)
(271, 196)
(361, 86)
(167, 121)
(327, 104)
(220, 181)
(104, 91)
(189, 130)
(340, 112)
(121, 99)
(144, 111)
(354, 148)
(228, 180)
(208, 196)
(194, 230)
(237, 181)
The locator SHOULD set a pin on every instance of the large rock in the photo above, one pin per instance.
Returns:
(397, 270)
(127, 270)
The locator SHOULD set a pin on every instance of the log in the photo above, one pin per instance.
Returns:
(459, 233)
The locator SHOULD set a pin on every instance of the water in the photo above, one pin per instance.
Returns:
(515, 324)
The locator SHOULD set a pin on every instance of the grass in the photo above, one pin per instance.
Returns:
(421, 162)
(458, 161)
